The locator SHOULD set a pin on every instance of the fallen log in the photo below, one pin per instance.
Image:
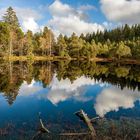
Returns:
(41, 130)
(83, 116)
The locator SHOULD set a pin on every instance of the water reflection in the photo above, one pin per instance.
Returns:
(111, 99)
(64, 89)
(15, 74)
(29, 89)
(58, 89)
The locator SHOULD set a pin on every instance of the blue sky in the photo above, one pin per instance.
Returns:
(67, 16)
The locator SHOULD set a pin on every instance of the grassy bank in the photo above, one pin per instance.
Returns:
(58, 58)
(26, 58)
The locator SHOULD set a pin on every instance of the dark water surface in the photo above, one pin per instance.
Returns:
(58, 89)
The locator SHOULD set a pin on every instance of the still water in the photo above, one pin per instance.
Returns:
(56, 90)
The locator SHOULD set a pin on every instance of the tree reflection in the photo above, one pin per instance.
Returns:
(13, 74)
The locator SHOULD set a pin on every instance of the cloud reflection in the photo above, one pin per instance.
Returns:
(111, 99)
(63, 90)
(29, 89)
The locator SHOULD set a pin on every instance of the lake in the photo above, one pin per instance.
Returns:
(54, 91)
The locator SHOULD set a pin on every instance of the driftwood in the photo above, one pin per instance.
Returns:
(41, 130)
(82, 115)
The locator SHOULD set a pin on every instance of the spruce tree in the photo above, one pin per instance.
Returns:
(11, 18)
(62, 46)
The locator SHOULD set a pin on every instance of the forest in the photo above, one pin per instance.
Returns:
(122, 42)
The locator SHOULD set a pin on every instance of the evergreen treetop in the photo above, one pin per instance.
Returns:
(11, 18)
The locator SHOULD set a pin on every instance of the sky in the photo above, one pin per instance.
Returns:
(68, 16)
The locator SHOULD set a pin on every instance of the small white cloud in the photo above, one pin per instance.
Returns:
(124, 11)
(25, 13)
(2, 12)
(112, 99)
(30, 24)
(87, 7)
(66, 19)
(59, 9)
(28, 18)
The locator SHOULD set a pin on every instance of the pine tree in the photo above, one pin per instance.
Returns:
(75, 45)
(16, 33)
(11, 18)
(62, 46)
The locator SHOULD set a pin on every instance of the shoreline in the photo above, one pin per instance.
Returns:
(58, 58)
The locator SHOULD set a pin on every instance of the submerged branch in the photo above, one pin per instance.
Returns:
(83, 116)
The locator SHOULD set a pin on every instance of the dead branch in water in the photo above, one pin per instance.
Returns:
(41, 130)
(82, 115)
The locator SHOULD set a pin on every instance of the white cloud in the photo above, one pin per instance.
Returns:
(87, 7)
(60, 9)
(63, 90)
(124, 11)
(30, 24)
(66, 20)
(112, 99)
(27, 17)
(2, 12)
(70, 24)
(25, 13)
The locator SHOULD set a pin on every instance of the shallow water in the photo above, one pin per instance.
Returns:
(57, 90)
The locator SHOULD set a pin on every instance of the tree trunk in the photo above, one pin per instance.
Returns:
(10, 45)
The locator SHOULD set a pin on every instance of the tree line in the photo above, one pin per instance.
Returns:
(14, 42)
(122, 42)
